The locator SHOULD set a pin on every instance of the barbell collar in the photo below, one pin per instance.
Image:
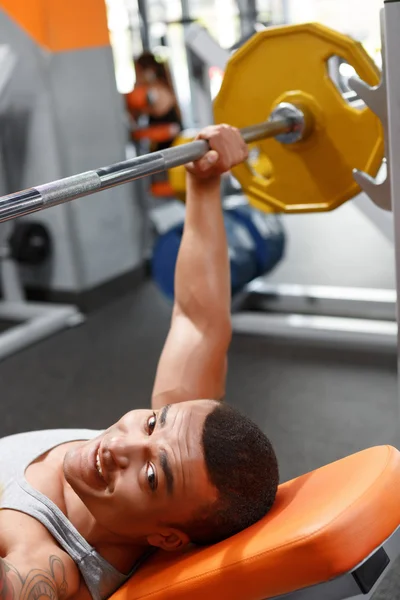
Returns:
(301, 119)
(77, 186)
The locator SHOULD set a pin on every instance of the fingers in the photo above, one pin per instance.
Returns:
(206, 164)
(241, 150)
(219, 138)
(208, 161)
(229, 144)
(228, 149)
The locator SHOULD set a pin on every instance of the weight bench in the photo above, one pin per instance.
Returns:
(332, 534)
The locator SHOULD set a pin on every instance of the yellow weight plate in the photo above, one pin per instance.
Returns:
(289, 64)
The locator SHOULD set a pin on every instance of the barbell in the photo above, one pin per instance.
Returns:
(70, 188)
(307, 132)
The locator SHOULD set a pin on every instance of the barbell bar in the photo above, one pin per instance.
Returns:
(292, 123)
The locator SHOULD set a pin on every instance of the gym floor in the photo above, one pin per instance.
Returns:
(316, 404)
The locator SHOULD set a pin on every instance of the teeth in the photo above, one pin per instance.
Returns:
(98, 466)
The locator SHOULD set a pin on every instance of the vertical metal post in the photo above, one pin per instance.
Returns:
(392, 46)
(144, 24)
(286, 11)
(248, 14)
(142, 185)
(194, 109)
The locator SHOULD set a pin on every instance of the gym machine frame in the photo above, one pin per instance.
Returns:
(34, 321)
(318, 314)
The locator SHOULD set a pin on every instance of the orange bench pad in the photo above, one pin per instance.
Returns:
(322, 525)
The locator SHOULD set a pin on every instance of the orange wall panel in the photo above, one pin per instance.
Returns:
(29, 15)
(61, 25)
(76, 24)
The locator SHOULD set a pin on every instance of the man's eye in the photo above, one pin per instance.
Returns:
(151, 423)
(152, 477)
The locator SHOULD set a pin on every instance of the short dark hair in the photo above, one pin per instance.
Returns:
(147, 60)
(243, 467)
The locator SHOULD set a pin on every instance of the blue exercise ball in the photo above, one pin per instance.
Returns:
(256, 243)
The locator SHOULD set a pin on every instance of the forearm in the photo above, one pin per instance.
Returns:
(202, 276)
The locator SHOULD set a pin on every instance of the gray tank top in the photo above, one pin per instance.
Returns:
(17, 452)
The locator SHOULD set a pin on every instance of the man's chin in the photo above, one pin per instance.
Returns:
(70, 466)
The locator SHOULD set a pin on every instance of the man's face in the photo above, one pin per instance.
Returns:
(152, 472)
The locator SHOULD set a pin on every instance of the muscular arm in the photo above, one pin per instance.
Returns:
(193, 362)
(20, 582)
(202, 280)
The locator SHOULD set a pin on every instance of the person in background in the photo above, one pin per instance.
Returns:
(154, 96)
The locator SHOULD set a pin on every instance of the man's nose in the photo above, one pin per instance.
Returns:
(124, 450)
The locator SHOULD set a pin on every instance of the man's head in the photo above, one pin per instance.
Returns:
(196, 471)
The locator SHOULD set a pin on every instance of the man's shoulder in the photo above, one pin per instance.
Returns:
(43, 570)
(22, 533)
(31, 557)
(31, 554)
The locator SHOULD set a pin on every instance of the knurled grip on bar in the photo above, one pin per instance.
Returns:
(64, 190)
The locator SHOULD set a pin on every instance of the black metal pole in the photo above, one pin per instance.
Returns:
(144, 24)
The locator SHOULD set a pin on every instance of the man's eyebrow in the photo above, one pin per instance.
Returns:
(166, 467)
(163, 415)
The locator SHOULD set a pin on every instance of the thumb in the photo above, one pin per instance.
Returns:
(208, 161)
(212, 157)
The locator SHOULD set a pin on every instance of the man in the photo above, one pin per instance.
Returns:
(82, 509)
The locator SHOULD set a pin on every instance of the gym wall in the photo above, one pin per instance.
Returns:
(67, 117)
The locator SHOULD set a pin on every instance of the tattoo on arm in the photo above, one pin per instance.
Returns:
(38, 584)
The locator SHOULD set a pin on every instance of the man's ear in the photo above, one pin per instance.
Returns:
(169, 539)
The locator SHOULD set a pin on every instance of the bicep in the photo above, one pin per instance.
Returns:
(49, 578)
(192, 365)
